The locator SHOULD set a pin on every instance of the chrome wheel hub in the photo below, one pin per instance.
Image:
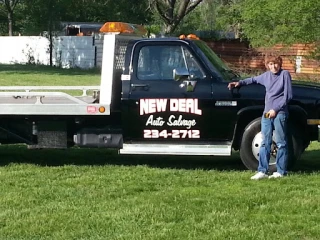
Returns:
(256, 144)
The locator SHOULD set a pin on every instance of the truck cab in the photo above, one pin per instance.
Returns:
(173, 95)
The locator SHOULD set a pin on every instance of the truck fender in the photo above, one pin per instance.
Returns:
(298, 114)
(244, 117)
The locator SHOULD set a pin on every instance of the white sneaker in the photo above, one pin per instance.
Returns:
(276, 175)
(258, 176)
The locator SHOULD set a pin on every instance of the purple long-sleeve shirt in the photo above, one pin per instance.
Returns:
(278, 89)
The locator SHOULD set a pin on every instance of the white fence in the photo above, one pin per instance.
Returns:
(68, 51)
(24, 49)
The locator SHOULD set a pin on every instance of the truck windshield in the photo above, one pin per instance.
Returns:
(215, 63)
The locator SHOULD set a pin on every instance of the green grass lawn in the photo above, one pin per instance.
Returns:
(33, 75)
(98, 194)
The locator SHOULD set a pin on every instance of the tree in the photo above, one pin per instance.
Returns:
(203, 20)
(229, 16)
(173, 11)
(106, 10)
(9, 6)
(281, 21)
(268, 22)
(37, 16)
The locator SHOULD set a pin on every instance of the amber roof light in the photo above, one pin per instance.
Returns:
(189, 36)
(122, 27)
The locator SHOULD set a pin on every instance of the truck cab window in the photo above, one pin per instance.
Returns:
(193, 66)
(158, 62)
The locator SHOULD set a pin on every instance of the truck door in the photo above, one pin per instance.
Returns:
(159, 108)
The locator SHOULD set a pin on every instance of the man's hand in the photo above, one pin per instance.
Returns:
(233, 85)
(271, 114)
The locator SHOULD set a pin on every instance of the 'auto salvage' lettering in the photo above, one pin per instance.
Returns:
(172, 121)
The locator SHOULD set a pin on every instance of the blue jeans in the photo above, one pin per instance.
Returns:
(279, 124)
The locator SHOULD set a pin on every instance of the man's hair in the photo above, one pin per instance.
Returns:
(272, 58)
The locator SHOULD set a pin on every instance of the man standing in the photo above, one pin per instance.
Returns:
(275, 115)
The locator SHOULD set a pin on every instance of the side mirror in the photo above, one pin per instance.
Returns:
(180, 74)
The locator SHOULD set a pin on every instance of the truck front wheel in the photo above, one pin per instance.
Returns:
(251, 142)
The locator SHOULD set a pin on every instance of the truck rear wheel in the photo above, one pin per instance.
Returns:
(251, 142)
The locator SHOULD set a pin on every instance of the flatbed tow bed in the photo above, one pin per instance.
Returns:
(44, 100)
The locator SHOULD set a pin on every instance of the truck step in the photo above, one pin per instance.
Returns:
(174, 149)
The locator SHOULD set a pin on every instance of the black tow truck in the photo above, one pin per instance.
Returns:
(157, 96)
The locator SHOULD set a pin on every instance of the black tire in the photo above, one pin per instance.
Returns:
(250, 141)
